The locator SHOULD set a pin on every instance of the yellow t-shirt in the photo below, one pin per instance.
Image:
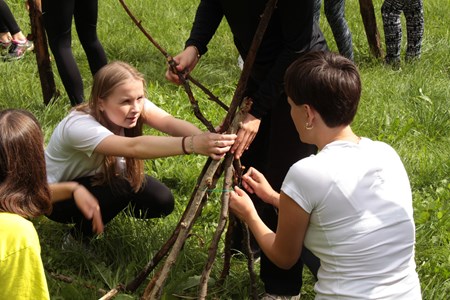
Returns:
(21, 271)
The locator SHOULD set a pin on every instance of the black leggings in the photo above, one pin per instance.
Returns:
(154, 200)
(58, 24)
(7, 21)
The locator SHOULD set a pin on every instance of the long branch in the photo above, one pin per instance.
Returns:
(136, 282)
(155, 291)
(250, 261)
(142, 275)
(227, 185)
(183, 78)
(249, 61)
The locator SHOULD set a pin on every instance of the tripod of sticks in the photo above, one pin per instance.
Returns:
(211, 173)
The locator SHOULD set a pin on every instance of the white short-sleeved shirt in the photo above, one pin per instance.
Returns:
(70, 151)
(361, 220)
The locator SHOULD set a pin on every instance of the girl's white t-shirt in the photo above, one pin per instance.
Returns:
(70, 152)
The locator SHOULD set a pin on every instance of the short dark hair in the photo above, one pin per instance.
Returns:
(23, 178)
(328, 82)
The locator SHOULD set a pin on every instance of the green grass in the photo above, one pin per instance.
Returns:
(408, 108)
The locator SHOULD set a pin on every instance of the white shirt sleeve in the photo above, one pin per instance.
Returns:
(83, 133)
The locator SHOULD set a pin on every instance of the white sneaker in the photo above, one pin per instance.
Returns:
(267, 296)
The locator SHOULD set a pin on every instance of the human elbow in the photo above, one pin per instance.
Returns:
(285, 261)
(286, 264)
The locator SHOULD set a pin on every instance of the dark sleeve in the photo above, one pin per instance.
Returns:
(299, 35)
(207, 19)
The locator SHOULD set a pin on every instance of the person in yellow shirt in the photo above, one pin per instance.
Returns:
(21, 271)
(25, 194)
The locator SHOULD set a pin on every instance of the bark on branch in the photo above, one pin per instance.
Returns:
(155, 289)
(370, 26)
(231, 124)
(183, 78)
(47, 80)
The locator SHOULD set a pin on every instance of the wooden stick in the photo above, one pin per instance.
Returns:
(227, 186)
(183, 78)
(249, 61)
(48, 85)
(137, 281)
(370, 26)
(155, 291)
(237, 98)
(230, 179)
(250, 261)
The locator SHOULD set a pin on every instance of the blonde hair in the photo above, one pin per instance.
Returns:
(106, 80)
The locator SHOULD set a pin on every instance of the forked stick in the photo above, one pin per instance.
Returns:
(182, 76)
(154, 291)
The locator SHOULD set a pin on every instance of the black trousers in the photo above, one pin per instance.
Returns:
(275, 149)
(154, 200)
(7, 21)
(58, 16)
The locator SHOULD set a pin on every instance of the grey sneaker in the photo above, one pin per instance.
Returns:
(267, 296)
(17, 49)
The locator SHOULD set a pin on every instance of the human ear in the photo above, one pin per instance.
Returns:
(101, 105)
(309, 111)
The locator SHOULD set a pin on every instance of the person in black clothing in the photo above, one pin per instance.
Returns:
(335, 14)
(267, 139)
(58, 24)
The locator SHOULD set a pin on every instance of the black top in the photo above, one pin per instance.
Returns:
(290, 33)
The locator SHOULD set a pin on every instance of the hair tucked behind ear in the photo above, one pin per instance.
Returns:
(23, 180)
(328, 82)
(106, 80)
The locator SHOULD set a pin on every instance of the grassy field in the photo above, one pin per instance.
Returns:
(408, 108)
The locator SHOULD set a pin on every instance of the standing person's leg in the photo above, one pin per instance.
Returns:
(335, 13)
(5, 36)
(390, 11)
(285, 149)
(86, 15)
(317, 6)
(414, 28)
(58, 25)
(8, 23)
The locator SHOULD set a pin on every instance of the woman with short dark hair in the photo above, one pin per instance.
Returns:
(350, 204)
